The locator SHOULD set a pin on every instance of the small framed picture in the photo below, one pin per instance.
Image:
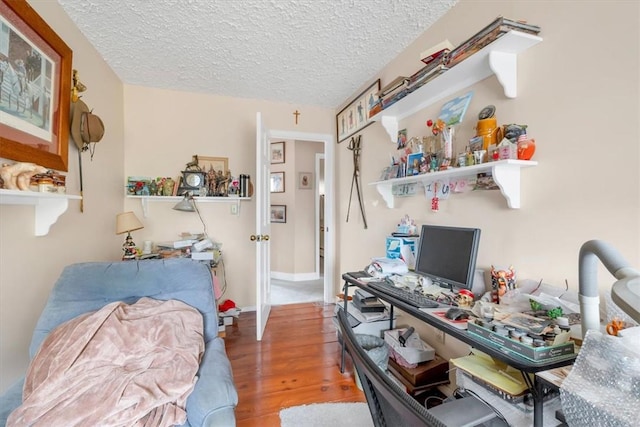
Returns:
(279, 213)
(277, 152)
(413, 163)
(304, 180)
(277, 182)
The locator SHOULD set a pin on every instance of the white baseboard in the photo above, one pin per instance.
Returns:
(298, 277)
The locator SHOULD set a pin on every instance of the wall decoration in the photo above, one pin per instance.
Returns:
(35, 95)
(305, 180)
(277, 152)
(277, 182)
(279, 213)
(213, 163)
(355, 116)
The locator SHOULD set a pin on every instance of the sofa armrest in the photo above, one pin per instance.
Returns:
(10, 400)
(214, 398)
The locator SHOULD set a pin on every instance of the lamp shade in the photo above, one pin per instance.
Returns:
(186, 204)
(127, 221)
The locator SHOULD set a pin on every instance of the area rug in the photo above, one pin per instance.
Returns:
(327, 414)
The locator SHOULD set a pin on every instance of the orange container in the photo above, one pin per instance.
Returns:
(490, 132)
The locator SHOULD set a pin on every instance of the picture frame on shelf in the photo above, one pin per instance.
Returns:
(278, 214)
(355, 116)
(42, 136)
(276, 182)
(207, 164)
(277, 153)
(305, 180)
(414, 160)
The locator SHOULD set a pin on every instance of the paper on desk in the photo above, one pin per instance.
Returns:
(390, 266)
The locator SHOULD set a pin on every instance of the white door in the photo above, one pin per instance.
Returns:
(261, 236)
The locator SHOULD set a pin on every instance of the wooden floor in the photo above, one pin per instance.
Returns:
(296, 363)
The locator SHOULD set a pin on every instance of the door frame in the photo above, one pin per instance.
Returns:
(329, 199)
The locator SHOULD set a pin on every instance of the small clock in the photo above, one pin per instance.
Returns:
(193, 181)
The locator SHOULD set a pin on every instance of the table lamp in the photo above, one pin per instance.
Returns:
(127, 222)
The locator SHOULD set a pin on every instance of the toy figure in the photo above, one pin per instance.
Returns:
(501, 282)
(129, 249)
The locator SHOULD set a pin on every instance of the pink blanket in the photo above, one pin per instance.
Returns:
(123, 365)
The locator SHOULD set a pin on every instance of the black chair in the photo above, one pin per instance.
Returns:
(389, 405)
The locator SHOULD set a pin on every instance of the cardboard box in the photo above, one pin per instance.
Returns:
(414, 351)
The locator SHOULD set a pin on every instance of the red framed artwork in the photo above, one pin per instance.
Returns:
(35, 93)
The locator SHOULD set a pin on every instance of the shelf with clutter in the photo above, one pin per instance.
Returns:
(498, 57)
(24, 183)
(203, 180)
(494, 157)
(505, 173)
(48, 206)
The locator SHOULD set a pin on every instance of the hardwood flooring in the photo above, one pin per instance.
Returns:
(296, 363)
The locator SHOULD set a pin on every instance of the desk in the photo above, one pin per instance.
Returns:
(522, 364)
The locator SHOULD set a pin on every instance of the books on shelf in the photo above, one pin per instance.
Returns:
(436, 52)
(487, 35)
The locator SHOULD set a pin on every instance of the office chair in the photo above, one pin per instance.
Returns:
(388, 404)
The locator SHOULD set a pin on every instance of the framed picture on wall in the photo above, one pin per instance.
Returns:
(277, 152)
(277, 182)
(279, 213)
(35, 65)
(305, 180)
(355, 116)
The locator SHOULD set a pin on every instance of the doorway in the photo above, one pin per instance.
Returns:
(323, 212)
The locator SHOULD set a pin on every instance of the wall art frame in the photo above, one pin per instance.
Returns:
(355, 116)
(276, 182)
(34, 118)
(278, 214)
(305, 180)
(277, 153)
(216, 163)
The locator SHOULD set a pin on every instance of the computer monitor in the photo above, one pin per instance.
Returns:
(447, 255)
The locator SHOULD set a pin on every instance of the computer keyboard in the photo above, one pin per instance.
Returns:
(412, 298)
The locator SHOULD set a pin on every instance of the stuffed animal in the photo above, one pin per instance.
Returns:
(18, 175)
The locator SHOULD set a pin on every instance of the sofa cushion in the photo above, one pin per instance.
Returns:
(89, 286)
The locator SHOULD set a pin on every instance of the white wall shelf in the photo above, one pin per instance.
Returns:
(144, 200)
(48, 206)
(499, 58)
(506, 173)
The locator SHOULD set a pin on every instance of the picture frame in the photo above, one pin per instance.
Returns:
(305, 180)
(414, 160)
(278, 214)
(276, 182)
(216, 163)
(44, 61)
(355, 116)
(277, 152)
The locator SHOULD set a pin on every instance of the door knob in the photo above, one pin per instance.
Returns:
(265, 237)
(254, 238)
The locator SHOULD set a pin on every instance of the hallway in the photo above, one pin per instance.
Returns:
(286, 292)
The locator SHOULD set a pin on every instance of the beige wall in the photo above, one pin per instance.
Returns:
(29, 265)
(583, 114)
(160, 141)
(584, 117)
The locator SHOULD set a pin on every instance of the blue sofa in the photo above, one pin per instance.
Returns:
(89, 286)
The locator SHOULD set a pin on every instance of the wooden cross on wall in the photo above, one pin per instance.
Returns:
(296, 113)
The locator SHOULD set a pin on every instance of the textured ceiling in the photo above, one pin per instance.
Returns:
(308, 52)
